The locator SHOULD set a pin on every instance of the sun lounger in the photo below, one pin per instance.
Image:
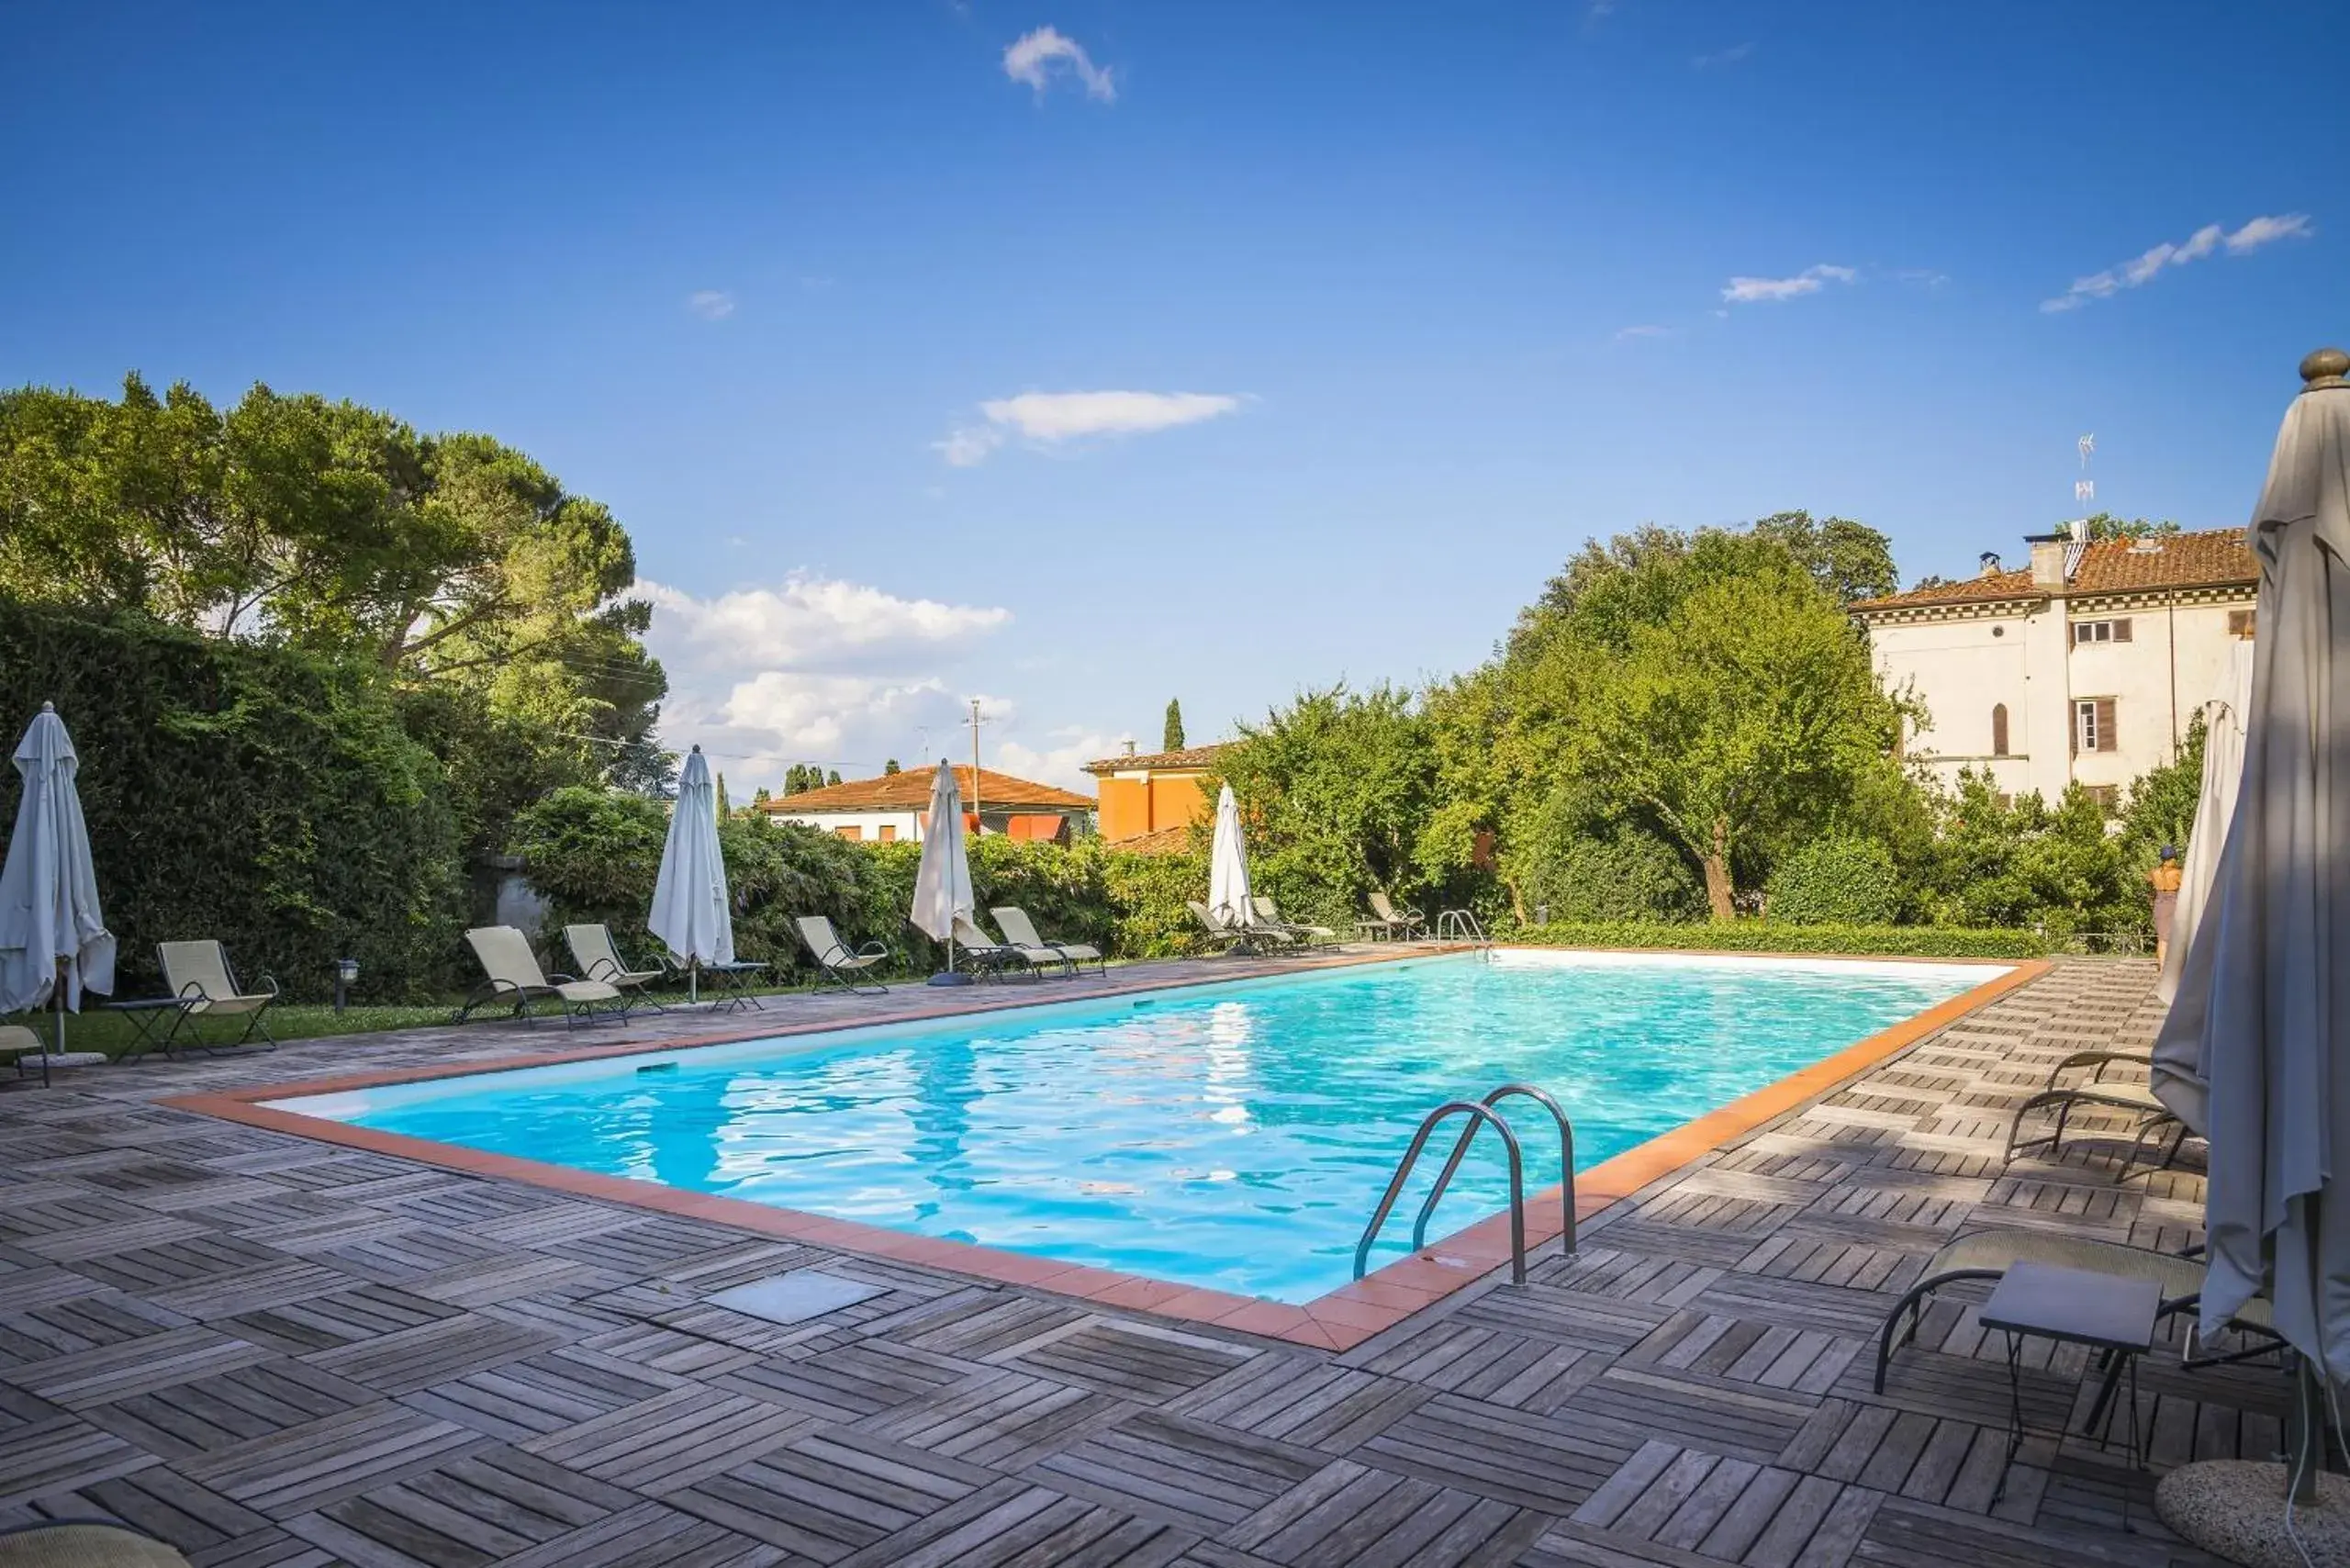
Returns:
(1402, 923)
(2127, 1097)
(1269, 915)
(837, 961)
(592, 949)
(513, 976)
(1211, 929)
(1021, 932)
(19, 1042)
(197, 975)
(1989, 1254)
(986, 955)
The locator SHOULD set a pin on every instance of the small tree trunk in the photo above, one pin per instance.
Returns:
(1716, 864)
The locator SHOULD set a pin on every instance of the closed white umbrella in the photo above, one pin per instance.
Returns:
(943, 879)
(1228, 866)
(51, 926)
(2263, 1009)
(690, 914)
(2222, 770)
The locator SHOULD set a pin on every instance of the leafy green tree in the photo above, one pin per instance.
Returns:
(1333, 790)
(759, 797)
(1707, 687)
(2104, 525)
(1850, 560)
(724, 809)
(834, 777)
(890, 768)
(1170, 737)
(340, 530)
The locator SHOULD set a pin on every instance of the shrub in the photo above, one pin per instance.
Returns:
(265, 797)
(1624, 875)
(1837, 881)
(1774, 937)
(596, 855)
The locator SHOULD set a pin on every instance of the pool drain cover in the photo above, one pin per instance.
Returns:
(795, 1297)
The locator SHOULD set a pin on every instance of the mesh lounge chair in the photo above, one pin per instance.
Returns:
(989, 956)
(1402, 923)
(1989, 1254)
(592, 949)
(2133, 1097)
(1211, 929)
(514, 977)
(1268, 915)
(197, 974)
(1021, 932)
(837, 961)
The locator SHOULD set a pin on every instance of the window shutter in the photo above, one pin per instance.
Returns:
(2121, 631)
(2076, 727)
(1999, 730)
(2105, 736)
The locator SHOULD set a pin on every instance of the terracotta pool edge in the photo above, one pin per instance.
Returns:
(1337, 1320)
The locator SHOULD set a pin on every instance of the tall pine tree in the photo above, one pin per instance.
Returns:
(1171, 739)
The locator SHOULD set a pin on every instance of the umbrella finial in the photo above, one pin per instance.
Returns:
(2326, 367)
(49, 707)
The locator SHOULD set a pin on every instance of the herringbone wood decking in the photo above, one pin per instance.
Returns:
(274, 1352)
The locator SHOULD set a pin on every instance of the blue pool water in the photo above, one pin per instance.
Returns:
(1234, 1136)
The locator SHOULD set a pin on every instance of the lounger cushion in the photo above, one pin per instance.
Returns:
(85, 1545)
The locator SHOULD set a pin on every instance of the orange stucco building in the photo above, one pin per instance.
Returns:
(1153, 794)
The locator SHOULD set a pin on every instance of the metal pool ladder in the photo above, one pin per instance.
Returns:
(1480, 1113)
(1462, 926)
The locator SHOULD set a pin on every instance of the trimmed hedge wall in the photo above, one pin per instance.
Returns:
(1777, 937)
(266, 798)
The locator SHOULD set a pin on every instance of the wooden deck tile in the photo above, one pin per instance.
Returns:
(281, 1353)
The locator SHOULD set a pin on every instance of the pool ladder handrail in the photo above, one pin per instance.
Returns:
(1480, 1113)
(1462, 926)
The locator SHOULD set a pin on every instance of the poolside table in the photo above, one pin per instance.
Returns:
(730, 985)
(2112, 1315)
(156, 1020)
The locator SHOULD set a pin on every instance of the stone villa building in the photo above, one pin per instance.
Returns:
(2088, 666)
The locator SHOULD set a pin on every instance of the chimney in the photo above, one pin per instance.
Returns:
(1130, 748)
(1990, 563)
(2047, 559)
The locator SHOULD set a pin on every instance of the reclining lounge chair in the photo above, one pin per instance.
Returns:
(987, 956)
(1021, 932)
(837, 961)
(513, 977)
(198, 976)
(2128, 1097)
(599, 960)
(1268, 915)
(1400, 923)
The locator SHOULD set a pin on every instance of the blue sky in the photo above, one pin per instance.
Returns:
(1414, 301)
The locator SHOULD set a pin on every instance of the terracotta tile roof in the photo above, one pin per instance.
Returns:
(1189, 757)
(1174, 840)
(2217, 558)
(909, 792)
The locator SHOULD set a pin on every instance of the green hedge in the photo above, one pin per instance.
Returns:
(266, 798)
(1836, 881)
(1776, 936)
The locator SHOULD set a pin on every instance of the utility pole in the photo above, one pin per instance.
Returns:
(975, 758)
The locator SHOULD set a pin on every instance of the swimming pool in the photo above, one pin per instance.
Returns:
(1234, 1136)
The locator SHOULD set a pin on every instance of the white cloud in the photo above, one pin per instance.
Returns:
(1625, 334)
(966, 446)
(1721, 57)
(843, 674)
(1811, 280)
(1033, 57)
(711, 304)
(1061, 761)
(2143, 269)
(1049, 417)
(811, 622)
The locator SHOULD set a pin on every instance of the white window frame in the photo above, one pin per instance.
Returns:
(2093, 633)
(2086, 738)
